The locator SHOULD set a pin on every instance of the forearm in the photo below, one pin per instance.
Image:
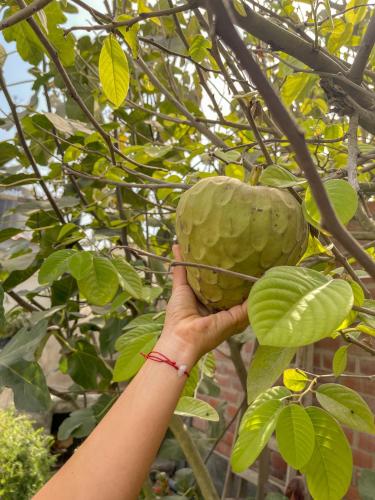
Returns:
(114, 460)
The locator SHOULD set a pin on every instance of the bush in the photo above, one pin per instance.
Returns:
(25, 459)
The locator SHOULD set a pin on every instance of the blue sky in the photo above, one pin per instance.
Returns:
(16, 70)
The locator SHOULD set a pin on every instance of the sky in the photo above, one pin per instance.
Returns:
(16, 70)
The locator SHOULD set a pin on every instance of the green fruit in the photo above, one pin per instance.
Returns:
(225, 223)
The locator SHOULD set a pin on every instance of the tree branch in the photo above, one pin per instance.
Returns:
(130, 22)
(24, 13)
(287, 124)
(360, 61)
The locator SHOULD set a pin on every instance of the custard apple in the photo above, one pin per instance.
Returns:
(225, 223)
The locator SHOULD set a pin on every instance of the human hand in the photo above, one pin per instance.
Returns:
(189, 330)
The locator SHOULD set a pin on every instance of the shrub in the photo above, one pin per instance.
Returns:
(25, 458)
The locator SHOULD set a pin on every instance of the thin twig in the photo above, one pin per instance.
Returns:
(173, 263)
(24, 13)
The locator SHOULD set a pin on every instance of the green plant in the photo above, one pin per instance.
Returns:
(25, 458)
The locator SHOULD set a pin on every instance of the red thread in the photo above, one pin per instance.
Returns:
(162, 358)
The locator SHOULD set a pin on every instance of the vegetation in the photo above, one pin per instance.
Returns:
(25, 459)
(128, 111)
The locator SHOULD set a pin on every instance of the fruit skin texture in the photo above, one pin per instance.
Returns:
(223, 222)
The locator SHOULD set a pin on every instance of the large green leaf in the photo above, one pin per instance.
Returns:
(80, 265)
(291, 306)
(100, 285)
(23, 344)
(266, 367)
(27, 381)
(129, 278)
(129, 34)
(256, 430)
(130, 359)
(114, 71)
(329, 471)
(295, 435)
(54, 266)
(192, 407)
(347, 406)
(86, 368)
(342, 196)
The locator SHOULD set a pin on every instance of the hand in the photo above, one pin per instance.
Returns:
(189, 330)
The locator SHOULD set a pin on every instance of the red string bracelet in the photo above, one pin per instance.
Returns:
(161, 358)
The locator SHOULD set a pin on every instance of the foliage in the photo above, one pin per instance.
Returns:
(123, 118)
(25, 459)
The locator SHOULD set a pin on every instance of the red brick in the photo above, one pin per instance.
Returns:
(354, 383)
(328, 344)
(230, 395)
(349, 434)
(352, 494)
(367, 442)
(368, 387)
(224, 448)
(362, 459)
(228, 438)
(317, 359)
(367, 366)
(231, 411)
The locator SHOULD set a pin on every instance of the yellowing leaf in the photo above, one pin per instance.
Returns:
(129, 34)
(240, 8)
(295, 380)
(114, 71)
(142, 7)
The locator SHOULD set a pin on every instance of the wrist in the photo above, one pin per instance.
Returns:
(177, 349)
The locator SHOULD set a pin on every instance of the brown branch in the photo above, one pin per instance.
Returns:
(95, 13)
(24, 13)
(229, 34)
(360, 61)
(172, 263)
(364, 310)
(358, 343)
(129, 23)
(103, 180)
(26, 149)
(21, 302)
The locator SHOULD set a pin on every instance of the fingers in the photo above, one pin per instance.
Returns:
(178, 272)
(227, 323)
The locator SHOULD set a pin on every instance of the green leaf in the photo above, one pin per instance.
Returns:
(114, 71)
(129, 34)
(192, 407)
(342, 196)
(291, 306)
(238, 5)
(198, 49)
(130, 359)
(256, 430)
(347, 406)
(129, 278)
(295, 435)
(266, 366)
(295, 379)
(79, 424)
(80, 265)
(54, 266)
(23, 345)
(329, 471)
(340, 360)
(27, 381)
(296, 86)
(276, 176)
(6, 234)
(100, 285)
(85, 367)
(3, 55)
